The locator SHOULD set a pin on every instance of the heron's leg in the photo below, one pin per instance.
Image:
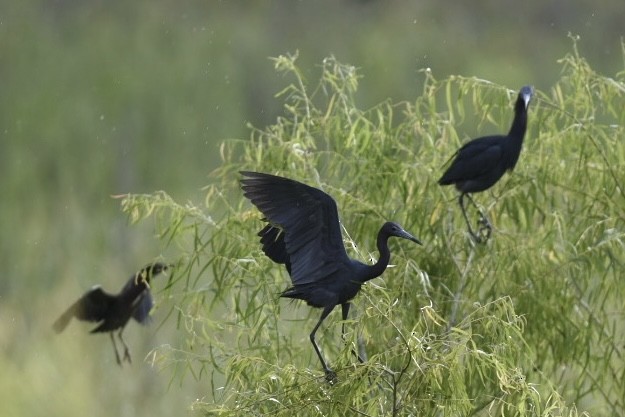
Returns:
(466, 218)
(119, 361)
(484, 223)
(126, 350)
(360, 354)
(330, 374)
(344, 312)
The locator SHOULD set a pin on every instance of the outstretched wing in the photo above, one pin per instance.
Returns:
(309, 219)
(473, 160)
(138, 286)
(93, 306)
(144, 304)
(272, 239)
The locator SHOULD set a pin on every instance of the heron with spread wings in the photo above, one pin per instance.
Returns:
(304, 234)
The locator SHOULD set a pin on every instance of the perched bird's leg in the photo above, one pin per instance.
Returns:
(466, 218)
(483, 224)
(360, 353)
(344, 313)
(119, 361)
(126, 349)
(330, 374)
(484, 227)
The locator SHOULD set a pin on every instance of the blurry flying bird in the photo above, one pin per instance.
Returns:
(113, 312)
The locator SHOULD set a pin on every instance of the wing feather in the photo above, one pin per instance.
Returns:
(93, 306)
(476, 157)
(307, 216)
(141, 312)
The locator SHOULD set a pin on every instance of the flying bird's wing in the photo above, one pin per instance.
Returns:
(310, 222)
(144, 304)
(92, 306)
(473, 160)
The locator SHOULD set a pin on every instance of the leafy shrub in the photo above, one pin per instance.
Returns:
(523, 326)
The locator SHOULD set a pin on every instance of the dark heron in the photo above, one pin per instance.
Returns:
(480, 163)
(304, 234)
(113, 312)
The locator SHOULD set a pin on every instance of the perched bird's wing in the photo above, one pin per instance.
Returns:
(92, 306)
(272, 239)
(309, 219)
(144, 304)
(474, 159)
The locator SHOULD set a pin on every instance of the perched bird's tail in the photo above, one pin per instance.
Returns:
(61, 323)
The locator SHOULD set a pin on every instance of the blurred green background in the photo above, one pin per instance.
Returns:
(99, 98)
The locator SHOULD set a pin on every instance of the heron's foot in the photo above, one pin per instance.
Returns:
(484, 230)
(331, 377)
(484, 223)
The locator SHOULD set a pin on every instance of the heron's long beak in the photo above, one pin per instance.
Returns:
(408, 236)
(527, 93)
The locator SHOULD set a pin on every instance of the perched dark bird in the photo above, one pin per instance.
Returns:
(113, 312)
(304, 234)
(480, 163)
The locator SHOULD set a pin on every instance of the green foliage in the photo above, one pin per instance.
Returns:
(110, 97)
(523, 326)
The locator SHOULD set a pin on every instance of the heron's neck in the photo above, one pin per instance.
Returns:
(135, 285)
(376, 269)
(519, 124)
